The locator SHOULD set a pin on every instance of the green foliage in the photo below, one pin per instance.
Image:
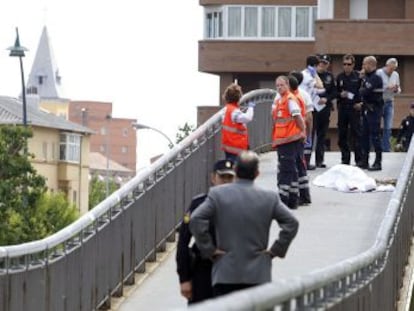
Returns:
(97, 190)
(183, 132)
(27, 212)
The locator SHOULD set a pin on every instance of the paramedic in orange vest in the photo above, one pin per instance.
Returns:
(289, 132)
(234, 134)
(295, 78)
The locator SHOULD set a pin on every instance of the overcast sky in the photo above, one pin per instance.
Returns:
(140, 55)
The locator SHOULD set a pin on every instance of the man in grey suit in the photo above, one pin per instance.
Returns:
(241, 213)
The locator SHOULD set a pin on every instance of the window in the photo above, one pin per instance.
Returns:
(285, 22)
(125, 132)
(302, 22)
(124, 149)
(70, 147)
(44, 150)
(234, 22)
(214, 24)
(260, 22)
(250, 22)
(268, 22)
(104, 130)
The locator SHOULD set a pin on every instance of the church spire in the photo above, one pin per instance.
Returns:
(44, 79)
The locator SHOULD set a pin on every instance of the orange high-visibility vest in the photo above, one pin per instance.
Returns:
(234, 137)
(285, 129)
(301, 102)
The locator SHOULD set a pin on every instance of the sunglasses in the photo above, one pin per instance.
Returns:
(347, 64)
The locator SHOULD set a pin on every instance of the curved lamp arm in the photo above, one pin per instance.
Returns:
(139, 126)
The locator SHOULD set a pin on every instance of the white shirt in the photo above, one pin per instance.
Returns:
(238, 116)
(389, 80)
(308, 100)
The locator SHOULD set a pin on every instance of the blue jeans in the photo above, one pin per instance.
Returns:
(388, 115)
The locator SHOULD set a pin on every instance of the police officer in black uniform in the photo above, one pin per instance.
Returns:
(371, 93)
(406, 130)
(349, 107)
(194, 272)
(321, 117)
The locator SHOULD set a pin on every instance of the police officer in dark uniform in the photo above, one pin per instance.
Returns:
(194, 272)
(321, 117)
(406, 131)
(349, 107)
(371, 93)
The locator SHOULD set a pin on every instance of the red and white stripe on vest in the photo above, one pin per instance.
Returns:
(285, 129)
(234, 136)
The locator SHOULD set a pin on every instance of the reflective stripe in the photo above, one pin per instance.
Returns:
(304, 186)
(234, 130)
(294, 190)
(283, 120)
(378, 90)
(283, 192)
(303, 179)
(284, 187)
(231, 149)
(294, 184)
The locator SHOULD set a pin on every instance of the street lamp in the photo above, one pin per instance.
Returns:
(139, 126)
(18, 51)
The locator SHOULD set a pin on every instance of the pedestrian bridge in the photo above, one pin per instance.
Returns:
(350, 252)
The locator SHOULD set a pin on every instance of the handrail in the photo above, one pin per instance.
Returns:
(125, 191)
(369, 263)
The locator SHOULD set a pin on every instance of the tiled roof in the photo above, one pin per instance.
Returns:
(11, 112)
(97, 161)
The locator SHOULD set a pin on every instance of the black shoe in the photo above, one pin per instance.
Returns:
(375, 167)
(345, 163)
(362, 165)
(310, 167)
(321, 165)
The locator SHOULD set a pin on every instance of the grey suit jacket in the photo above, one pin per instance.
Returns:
(241, 213)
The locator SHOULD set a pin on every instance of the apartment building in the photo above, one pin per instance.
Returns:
(254, 41)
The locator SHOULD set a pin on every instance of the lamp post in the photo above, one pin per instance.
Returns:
(139, 126)
(18, 51)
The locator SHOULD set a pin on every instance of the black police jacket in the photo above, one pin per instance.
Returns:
(187, 256)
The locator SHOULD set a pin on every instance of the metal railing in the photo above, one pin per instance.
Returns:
(368, 281)
(83, 265)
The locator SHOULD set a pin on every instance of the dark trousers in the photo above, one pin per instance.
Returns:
(201, 281)
(371, 128)
(287, 175)
(320, 128)
(224, 289)
(303, 180)
(349, 130)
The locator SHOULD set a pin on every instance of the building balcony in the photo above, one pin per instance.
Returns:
(220, 56)
(365, 37)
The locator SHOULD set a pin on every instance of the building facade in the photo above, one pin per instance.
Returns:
(115, 138)
(255, 41)
(60, 148)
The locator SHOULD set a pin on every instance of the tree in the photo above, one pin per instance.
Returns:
(97, 190)
(183, 132)
(27, 212)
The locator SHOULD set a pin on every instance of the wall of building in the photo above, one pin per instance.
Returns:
(71, 178)
(59, 107)
(117, 133)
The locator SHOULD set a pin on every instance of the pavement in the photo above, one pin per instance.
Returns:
(336, 226)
